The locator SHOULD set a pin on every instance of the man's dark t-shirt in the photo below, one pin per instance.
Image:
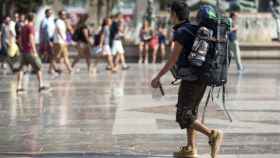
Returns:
(80, 33)
(114, 31)
(183, 36)
(26, 44)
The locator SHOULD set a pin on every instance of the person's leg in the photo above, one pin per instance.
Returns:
(123, 61)
(110, 62)
(236, 51)
(52, 64)
(146, 53)
(121, 55)
(88, 58)
(117, 60)
(10, 63)
(141, 49)
(190, 95)
(40, 78)
(155, 50)
(98, 57)
(278, 28)
(66, 58)
(191, 137)
(19, 80)
(163, 51)
(56, 57)
(108, 52)
(201, 128)
(20, 73)
(185, 115)
(77, 58)
(115, 54)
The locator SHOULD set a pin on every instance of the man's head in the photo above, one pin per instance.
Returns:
(119, 16)
(107, 22)
(62, 14)
(7, 19)
(233, 16)
(30, 17)
(48, 13)
(22, 17)
(179, 11)
(16, 16)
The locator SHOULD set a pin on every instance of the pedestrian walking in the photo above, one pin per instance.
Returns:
(82, 36)
(29, 55)
(103, 49)
(233, 42)
(60, 40)
(190, 92)
(117, 34)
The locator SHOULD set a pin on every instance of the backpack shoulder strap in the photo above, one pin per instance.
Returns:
(189, 31)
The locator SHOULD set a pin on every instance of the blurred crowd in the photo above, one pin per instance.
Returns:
(57, 34)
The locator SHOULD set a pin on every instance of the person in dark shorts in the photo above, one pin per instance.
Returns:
(29, 54)
(84, 43)
(162, 41)
(146, 35)
(190, 92)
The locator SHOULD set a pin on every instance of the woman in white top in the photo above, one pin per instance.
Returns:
(104, 44)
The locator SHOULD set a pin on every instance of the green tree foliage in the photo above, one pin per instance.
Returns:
(11, 6)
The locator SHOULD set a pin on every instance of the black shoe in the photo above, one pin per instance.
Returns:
(108, 68)
(58, 71)
(20, 90)
(33, 72)
(15, 70)
(43, 88)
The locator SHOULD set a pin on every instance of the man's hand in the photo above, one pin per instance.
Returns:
(155, 82)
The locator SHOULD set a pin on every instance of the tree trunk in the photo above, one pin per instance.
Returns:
(107, 8)
(99, 10)
(12, 7)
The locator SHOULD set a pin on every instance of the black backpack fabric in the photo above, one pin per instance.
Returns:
(113, 32)
(76, 35)
(215, 68)
(96, 39)
(79, 35)
(215, 64)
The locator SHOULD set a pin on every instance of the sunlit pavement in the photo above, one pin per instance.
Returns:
(119, 115)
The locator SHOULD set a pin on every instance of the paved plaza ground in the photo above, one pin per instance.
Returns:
(118, 115)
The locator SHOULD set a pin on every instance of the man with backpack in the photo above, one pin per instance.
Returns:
(192, 87)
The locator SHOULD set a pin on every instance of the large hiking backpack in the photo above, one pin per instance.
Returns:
(210, 55)
(215, 67)
(209, 59)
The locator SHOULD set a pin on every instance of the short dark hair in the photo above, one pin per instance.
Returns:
(60, 13)
(232, 14)
(30, 17)
(47, 11)
(181, 9)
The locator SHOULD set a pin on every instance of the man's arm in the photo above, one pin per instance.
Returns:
(234, 28)
(69, 27)
(0, 39)
(86, 34)
(170, 63)
(58, 30)
(33, 44)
